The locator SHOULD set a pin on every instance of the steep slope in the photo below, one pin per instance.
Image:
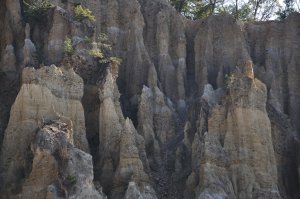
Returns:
(197, 109)
(238, 159)
(46, 94)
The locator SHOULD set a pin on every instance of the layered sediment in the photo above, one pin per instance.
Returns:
(196, 109)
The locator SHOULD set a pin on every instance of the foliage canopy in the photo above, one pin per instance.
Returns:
(101, 50)
(82, 12)
(68, 47)
(247, 10)
(36, 10)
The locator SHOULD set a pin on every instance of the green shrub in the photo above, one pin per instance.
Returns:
(104, 61)
(87, 40)
(68, 47)
(115, 60)
(103, 42)
(36, 10)
(229, 79)
(96, 53)
(70, 180)
(82, 13)
(102, 50)
(103, 38)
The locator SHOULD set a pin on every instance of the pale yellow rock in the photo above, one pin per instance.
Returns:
(58, 168)
(121, 148)
(44, 173)
(46, 94)
(238, 147)
(227, 146)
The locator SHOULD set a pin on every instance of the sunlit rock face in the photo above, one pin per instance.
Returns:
(196, 109)
(58, 168)
(46, 94)
(238, 146)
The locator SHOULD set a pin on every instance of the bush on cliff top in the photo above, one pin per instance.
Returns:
(82, 13)
(36, 10)
(96, 53)
(102, 50)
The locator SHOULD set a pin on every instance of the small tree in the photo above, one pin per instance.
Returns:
(96, 53)
(115, 60)
(36, 10)
(289, 8)
(68, 47)
(229, 79)
(70, 180)
(82, 13)
(101, 50)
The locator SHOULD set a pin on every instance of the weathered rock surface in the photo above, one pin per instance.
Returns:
(59, 169)
(121, 148)
(46, 94)
(238, 158)
(197, 109)
(276, 60)
(10, 51)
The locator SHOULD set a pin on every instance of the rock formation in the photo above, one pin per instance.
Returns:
(58, 168)
(238, 158)
(196, 109)
(46, 94)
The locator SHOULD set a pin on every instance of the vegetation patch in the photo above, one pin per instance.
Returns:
(229, 79)
(83, 13)
(36, 10)
(247, 10)
(102, 51)
(70, 180)
(68, 47)
(115, 60)
(96, 53)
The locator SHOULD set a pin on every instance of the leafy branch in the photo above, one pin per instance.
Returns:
(36, 10)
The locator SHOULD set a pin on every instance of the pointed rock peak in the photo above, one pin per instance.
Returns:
(246, 67)
(209, 94)
(152, 77)
(129, 125)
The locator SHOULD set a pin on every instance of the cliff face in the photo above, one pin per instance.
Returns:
(197, 109)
